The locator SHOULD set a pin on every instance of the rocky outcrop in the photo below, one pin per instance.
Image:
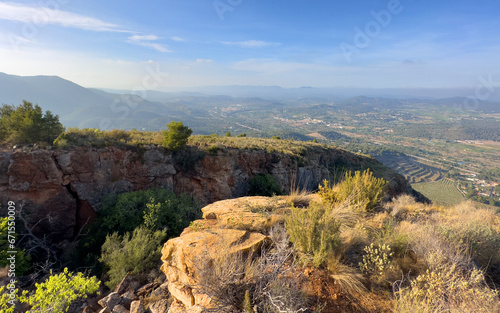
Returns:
(62, 189)
(229, 227)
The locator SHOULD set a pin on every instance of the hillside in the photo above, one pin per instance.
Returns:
(70, 183)
(249, 255)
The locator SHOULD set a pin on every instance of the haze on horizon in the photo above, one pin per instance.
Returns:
(158, 45)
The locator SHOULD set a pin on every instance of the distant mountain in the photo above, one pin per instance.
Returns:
(83, 107)
(88, 107)
(207, 109)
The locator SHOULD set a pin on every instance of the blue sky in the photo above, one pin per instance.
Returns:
(290, 43)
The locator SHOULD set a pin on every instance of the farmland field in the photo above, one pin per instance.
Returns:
(441, 192)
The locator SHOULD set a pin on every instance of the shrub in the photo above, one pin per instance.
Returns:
(28, 124)
(124, 212)
(22, 259)
(176, 137)
(7, 303)
(136, 253)
(314, 233)
(59, 291)
(93, 137)
(153, 208)
(362, 191)
(235, 282)
(264, 185)
(448, 289)
(376, 259)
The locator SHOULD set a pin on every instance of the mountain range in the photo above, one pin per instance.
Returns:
(82, 107)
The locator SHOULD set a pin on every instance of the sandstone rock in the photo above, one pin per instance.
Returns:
(123, 285)
(147, 289)
(127, 298)
(160, 306)
(137, 307)
(182, 256)
(120, 309)
(109, 302)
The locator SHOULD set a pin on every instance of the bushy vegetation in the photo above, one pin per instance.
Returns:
(239, 282)
(429, 258)
(314, 233)
(362, 191)
(90, 137)
(134, 253)
(158, 208)
(23, 260)
(27, 124)
(153, 211)
(264, 185)
(59, 291)
(176, 137)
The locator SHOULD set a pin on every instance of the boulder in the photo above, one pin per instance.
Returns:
(206, 240)
(110, 301)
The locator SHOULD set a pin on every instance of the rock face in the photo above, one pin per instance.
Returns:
(64, 188)
(217, 235)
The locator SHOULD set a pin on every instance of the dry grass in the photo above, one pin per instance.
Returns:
(346, 277)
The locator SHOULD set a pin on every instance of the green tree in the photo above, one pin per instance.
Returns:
(228, 134)
(28, 124)
(136, 253)
(497, 190)
(59, 291)
(176, 137)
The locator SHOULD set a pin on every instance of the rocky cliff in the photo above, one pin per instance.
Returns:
(64, 187)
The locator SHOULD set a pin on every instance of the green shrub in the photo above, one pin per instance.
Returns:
(362, 191)
(448, 289)
(264, 185)
(314, 233)
(213, 149)
(28, 124)
(92, 137)
(136, 253)
(153, 208)
(59, 291)
(125, 212)
(23, 260)
(176, 137)
(8, 303)
(377, 260)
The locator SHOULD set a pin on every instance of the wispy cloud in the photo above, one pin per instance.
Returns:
(175, 38)
(148, 41)
(251, 43)
(40, 16)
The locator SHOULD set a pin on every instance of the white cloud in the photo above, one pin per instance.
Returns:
(40, 16)
(147, 41)
(143, 37)
(200, 61)
(251, 43)
(179, 39)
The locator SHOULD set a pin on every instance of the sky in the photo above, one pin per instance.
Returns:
(163, 44)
